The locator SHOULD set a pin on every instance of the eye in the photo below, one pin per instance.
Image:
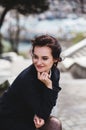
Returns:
(45, 58)
(34, 56)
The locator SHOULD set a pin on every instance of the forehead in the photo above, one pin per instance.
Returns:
(42, 51)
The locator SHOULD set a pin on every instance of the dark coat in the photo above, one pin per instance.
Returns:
(26, 97)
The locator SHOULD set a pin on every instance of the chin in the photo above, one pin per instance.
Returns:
(40, 71)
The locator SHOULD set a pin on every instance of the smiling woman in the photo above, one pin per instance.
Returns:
(43, 59)
(28, 102)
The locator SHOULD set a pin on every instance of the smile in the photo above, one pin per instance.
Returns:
(39, 67)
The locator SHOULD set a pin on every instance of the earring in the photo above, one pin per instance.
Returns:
(59, 59)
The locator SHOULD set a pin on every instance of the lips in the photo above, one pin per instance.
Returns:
(39, 67)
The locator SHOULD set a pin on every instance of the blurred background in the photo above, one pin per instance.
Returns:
(21, 21)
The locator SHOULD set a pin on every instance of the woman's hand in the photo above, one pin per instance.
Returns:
(45, 78)
(39, 122)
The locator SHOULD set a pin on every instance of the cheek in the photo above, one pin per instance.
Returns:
(34, 61)
(50, 63)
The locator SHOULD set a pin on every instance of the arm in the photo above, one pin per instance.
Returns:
(26, 87)
(41, 106)
(45, 78)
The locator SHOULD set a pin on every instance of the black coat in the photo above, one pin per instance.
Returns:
(26, 97)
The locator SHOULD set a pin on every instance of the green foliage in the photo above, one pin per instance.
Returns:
(4, 86)
(6, 46)
(23, 54)
(79, 37)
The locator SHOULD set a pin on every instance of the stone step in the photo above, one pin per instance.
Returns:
(75, 49)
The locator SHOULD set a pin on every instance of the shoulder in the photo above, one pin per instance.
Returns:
(55, 73)
(29, 71)
(26, 75)
(55, 78)
(25, 78)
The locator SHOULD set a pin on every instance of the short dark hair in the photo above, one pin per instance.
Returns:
(49, 41)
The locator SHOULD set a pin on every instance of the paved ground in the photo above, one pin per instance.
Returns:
(71, 105)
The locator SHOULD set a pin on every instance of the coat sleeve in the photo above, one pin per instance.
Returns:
(41, 105)
(26, 88)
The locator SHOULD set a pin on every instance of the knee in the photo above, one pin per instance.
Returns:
(52, 124)
(55, 122)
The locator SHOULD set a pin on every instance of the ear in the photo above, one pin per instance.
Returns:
(58, 60)
(55, 60)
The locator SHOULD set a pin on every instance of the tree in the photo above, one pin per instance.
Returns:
(14, 35)
(82, 2)
(23, 7)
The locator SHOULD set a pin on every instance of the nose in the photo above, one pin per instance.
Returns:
(39, 61)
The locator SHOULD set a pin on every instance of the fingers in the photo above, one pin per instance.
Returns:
(39, 122)
(43, 76)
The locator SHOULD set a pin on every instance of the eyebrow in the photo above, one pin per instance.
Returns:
(37, 55)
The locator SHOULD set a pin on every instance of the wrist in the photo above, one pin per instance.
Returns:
(49, 85)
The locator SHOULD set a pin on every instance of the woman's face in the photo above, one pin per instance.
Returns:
(42, 58)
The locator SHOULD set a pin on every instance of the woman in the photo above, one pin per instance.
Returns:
(28, 102)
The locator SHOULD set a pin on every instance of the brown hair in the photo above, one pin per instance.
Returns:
(49, 41)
